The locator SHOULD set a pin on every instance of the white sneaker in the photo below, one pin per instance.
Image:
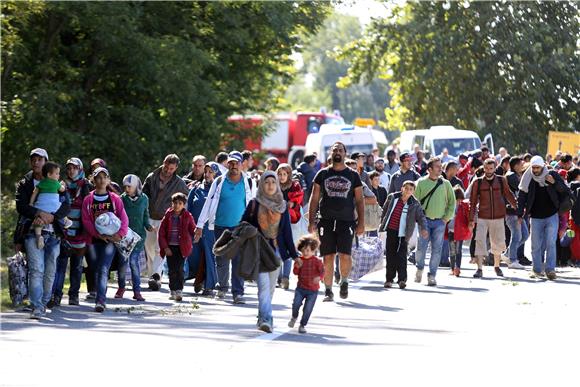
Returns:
(516, 265)
(505, 259)
(418, 275)
(172, 295)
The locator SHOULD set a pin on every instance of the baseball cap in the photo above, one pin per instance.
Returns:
(356, 155)
(235, 156)
(75, 161)
(404, 156)
(379, 160)
(214, 167)
(99, 170)
(39, 152)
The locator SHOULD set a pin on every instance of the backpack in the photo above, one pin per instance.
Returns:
(299, 177)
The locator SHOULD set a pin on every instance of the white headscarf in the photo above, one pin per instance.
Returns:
(134, 182)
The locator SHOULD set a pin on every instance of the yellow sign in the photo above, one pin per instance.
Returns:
(568, 142)
(364, 122)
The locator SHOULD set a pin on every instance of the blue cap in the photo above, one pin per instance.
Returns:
(235, 156)
(214, 167)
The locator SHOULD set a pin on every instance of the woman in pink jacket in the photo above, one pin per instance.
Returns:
(101, 247)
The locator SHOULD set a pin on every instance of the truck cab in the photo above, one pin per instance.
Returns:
(437, 138)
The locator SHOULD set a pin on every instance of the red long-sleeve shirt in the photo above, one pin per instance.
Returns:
(310, 269)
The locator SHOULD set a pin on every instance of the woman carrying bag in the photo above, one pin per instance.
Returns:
(268, 212)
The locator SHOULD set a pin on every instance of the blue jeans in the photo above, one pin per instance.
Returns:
(544, 233)
(204, 248)
(266, 285)
(286, 269)
(41, 268)
(445, 253)
(135, 267)
(310, 297)
(103, 253)
(76, 272)
(436, 229)
(519, 235)
(223, 269)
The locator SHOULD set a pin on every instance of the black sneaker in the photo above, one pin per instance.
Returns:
(498, 272)
(328, 296)
(344, 290)
(525, 261)
(155, 282)
(73, 300)
(478, 274)
(411, 258)
(54, 302)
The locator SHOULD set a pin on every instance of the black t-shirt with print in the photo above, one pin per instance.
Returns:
(337, 193)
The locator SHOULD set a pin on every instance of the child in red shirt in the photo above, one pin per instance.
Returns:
(309, 270)
(175, 242)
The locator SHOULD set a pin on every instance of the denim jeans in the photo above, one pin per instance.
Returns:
(135, 267)
(76, 271)
(223, 269)
(445, 253)
(435, 228)
(41, 268)
(203, 248)
(310, 296)
(266, 287)
(519, 235)
(455, 252)
(544, 233)
(286, 268)
(103, 253)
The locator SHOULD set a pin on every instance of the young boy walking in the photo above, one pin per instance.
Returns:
(175, 242)
(309, 270)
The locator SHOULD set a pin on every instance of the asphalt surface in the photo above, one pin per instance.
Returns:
(464, 331)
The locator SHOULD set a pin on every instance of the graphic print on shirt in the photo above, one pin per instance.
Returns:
(100, 207)
(337, 187)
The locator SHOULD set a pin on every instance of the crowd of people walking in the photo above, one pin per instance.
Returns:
(227, 222)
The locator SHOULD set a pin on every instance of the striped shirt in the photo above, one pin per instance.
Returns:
(174, 233)
(396, 216)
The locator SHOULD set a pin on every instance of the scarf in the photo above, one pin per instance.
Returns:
(275, 202)
(133, 181)
(286, 167)
(529, 175)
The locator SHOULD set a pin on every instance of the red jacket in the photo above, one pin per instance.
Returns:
(186, 232)
(461, 227)
(295, 194)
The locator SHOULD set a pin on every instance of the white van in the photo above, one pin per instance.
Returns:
(436, 138)
(355, 138)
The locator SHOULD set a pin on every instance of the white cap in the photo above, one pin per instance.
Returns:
(538, 161)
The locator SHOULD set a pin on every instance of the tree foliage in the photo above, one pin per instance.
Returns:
(509, 68)
(353, 100)
(133, 81)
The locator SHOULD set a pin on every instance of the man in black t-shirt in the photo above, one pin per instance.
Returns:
(335, 192)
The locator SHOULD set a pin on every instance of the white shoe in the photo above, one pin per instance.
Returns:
(418, 275)
(505, 259)
(516, 265)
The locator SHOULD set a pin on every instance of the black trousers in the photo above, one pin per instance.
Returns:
(396, 252)
(175, 265)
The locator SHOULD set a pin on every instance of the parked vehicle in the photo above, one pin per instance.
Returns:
(437, 138)
(287, 138)
(355, 138)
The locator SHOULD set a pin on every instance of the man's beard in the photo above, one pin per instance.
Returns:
(489, 176)
(336, 158)
(379, 169)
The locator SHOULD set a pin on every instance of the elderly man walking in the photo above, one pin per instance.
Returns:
(159, 186)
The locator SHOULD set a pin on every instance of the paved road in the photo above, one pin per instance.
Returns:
(464, 331)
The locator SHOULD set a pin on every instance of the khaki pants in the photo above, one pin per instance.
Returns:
(496, 230)
(154, 261)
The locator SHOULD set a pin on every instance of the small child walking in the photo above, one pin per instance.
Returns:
(45, 197)
(176, 233)
(458, 230)
(309, 270)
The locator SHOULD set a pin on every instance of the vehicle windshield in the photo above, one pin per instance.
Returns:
(455, 146)
(367, 149)
(334, 120)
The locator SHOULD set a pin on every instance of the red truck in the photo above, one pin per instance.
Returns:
(287, 137)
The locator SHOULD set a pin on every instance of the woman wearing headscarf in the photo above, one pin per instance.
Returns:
(137, 208)
(73, 245)
(268, 212)
(293, 195)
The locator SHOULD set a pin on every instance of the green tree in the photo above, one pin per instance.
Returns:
(133, 81)
(353, 100)
(509, 68)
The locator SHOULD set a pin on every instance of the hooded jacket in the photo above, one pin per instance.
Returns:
(256, 254)
(89, 218)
